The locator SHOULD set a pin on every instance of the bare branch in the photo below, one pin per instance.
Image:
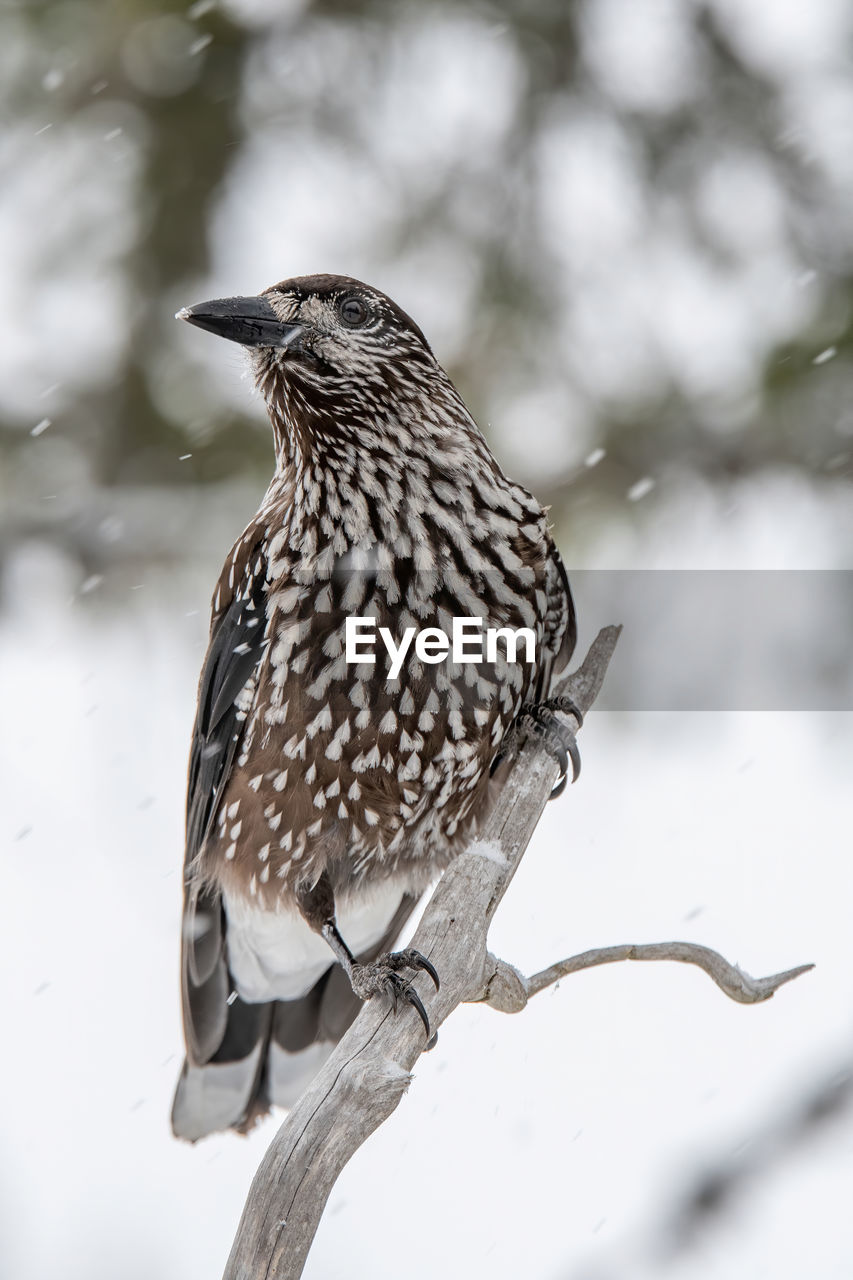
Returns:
(508, 991)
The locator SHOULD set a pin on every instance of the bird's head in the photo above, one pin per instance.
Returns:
(344, 371)
(323, 335)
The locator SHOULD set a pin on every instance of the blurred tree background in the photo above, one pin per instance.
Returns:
(623, 224)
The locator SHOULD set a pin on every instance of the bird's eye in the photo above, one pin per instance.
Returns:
(353, 311)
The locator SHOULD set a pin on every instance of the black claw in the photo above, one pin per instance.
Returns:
(384, 974)
(414, 999)
(575, 757)
(567, 705)
(558, 738)
(422, 963)
(392, 986)
(560, 787)
(558, 747)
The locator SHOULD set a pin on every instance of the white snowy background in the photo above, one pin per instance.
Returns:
(560, 1143)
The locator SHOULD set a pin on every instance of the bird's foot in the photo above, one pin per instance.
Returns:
(383, 975)
(539, 719)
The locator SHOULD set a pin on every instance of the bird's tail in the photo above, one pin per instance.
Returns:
(270, 1052)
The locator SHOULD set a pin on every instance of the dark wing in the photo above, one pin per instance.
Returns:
(561, 629)
(234, 654)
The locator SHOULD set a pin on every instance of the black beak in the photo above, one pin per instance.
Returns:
(250, 321)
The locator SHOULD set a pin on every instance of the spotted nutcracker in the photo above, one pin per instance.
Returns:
(325, 796)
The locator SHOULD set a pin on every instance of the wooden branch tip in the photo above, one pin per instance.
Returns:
(735, 982)
(584, 684)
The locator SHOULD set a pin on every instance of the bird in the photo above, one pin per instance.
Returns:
(323, 795)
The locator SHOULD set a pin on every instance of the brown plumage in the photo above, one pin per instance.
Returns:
(323, 795)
